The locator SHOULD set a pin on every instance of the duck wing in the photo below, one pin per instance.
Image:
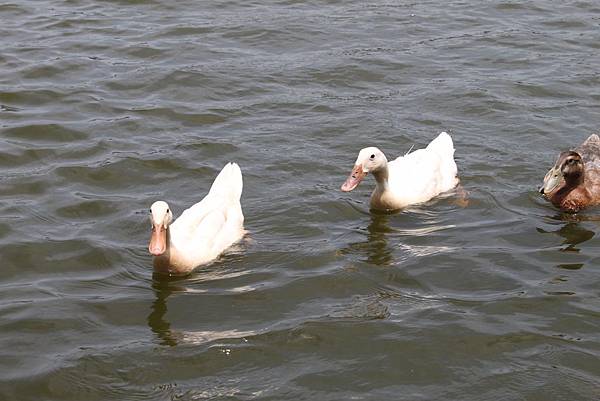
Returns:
(432, 165)
(418, 176)
(220, 204)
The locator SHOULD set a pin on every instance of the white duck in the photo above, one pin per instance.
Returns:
(413, 178)
(203, 231)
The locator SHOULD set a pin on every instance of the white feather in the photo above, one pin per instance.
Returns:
(413, 178)
(209, 227)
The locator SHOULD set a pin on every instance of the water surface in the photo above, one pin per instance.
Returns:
(106, 106)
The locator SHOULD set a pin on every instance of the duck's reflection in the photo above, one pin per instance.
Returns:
(376, 246)
(573, 234)
(163, 287)
(378, 250)
(384, 241)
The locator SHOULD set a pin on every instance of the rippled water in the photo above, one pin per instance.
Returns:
(107, 106)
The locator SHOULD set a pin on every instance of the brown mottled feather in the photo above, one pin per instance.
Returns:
(590, 151)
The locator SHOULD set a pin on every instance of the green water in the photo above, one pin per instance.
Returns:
(107, 106)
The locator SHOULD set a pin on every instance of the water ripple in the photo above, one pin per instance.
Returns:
(109, 106)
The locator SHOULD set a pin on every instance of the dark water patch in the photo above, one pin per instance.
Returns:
(570, 266)
(348, 76)
(4, 230)
(45, 133)
(55, 256)
(108, 174)
(87, 209)
(14, 10)
(27, 97)
(9, 109)
(54, 71)
(21, 186)
(191, 119)
(208, 149)
(192, 31)
(20, 156)
(565, 23)
(144, 52)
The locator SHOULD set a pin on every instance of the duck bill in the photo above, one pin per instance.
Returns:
(158, 240)
(552, 180)
(355, 177)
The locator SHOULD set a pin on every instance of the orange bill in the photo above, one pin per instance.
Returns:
(158, 240)
(355, 177)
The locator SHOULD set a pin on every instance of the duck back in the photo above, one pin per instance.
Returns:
(419, 176)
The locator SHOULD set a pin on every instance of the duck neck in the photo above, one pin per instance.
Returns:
(381, 177)
(572, 182)
(168, 240)
(571, 194)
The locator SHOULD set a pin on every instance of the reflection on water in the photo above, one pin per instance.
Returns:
(570, 266)
(378, 250)
(163, 287)
(382, 237)
(375, 246)
(573, 234)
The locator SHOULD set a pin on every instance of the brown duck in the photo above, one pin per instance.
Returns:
(574, 181)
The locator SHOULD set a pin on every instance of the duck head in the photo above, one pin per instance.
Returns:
(369, 160)
(160, 217)
(567, 173)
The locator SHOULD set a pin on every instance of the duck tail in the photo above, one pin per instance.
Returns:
(442, 145)
(229, 183)
(593, 138)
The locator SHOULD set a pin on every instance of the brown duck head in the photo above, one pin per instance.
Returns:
(567, 173)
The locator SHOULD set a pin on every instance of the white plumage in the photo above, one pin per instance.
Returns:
(413, 178)
(204, 230)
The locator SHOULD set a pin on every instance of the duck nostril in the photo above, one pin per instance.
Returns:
(542, 190)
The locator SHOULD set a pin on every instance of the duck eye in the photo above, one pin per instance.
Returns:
(372, 156)
(168, 211)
